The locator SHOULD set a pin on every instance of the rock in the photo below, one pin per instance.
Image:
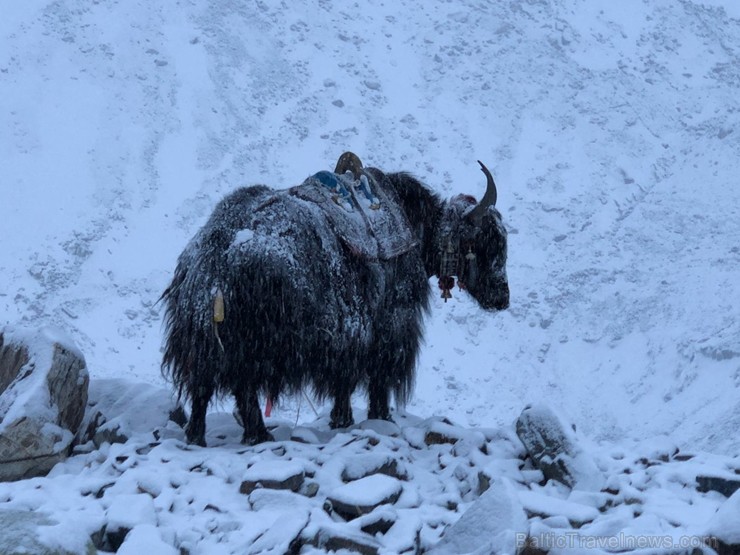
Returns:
(539, 504)
(334, 538)
(43, 394)
(283, 535)
(286, 475)
(360, 466)
(377, 522)
(441, 432)
(310, 489)
(555, 449)
(126, 512)
(36, 533)
(118, 409)
(362, 496)
(724, 485)
(492, 524)
(145, 538)
(723, 529)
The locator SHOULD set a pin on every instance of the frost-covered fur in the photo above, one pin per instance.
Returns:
(302, 308)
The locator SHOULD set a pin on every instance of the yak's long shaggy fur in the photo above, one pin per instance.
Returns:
(302, 307)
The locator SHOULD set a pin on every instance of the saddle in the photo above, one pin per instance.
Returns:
(361, 213)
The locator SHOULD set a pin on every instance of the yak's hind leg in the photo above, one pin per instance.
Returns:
(195, 433)
(247, 403)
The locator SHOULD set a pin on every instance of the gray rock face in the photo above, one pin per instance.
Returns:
(43, 393)
(555, 449)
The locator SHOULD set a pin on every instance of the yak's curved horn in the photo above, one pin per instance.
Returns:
(489, 198)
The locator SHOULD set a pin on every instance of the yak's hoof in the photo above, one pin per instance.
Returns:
(200, 441)
(254, 439)
(344, 423)
(376, 416)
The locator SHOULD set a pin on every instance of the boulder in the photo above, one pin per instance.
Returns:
(556, 450)
(270, 474)
(335, 538)
(37, 533)
(723, 529)
(360, 466)
(363, 496)
(726, 485)
(494, 523)
(119, 409)
(43, 393)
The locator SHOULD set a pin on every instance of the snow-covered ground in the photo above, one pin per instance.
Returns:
(612, 129)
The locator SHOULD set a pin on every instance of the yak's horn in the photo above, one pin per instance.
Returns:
(489, 198)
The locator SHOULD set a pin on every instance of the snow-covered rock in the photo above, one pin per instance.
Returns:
(126, 512)
(145, 538)
(36, 533)
(725, 526)
(287, 475)
(43, 392)
(362, 496)
(556, 450)
(118, 409)
(495, 523)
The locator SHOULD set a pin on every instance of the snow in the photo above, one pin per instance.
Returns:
(129, 510)
(725, 524)
(612, 130)
(368, 491)
(145, 538)
(491, 525)
(278, 471)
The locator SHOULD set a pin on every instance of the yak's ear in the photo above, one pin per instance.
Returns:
(489, 198)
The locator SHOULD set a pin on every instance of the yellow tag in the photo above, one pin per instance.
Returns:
(218, 306)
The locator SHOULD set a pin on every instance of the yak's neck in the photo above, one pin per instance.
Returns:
(423, 210)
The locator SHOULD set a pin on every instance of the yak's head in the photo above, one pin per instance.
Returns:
(472, 245)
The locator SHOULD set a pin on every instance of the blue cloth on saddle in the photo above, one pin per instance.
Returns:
(331, 181)
(334, 183)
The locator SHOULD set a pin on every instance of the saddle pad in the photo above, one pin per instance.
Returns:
(374, 233)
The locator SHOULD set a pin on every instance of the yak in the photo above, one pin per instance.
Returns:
(322, 286)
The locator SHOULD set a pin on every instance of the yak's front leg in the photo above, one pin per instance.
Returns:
(195, 433)
(378, 408)
(341, 414)
(247, 403)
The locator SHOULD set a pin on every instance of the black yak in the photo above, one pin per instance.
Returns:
(325, 286)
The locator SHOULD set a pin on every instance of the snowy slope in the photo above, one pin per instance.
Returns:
(613, 131)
